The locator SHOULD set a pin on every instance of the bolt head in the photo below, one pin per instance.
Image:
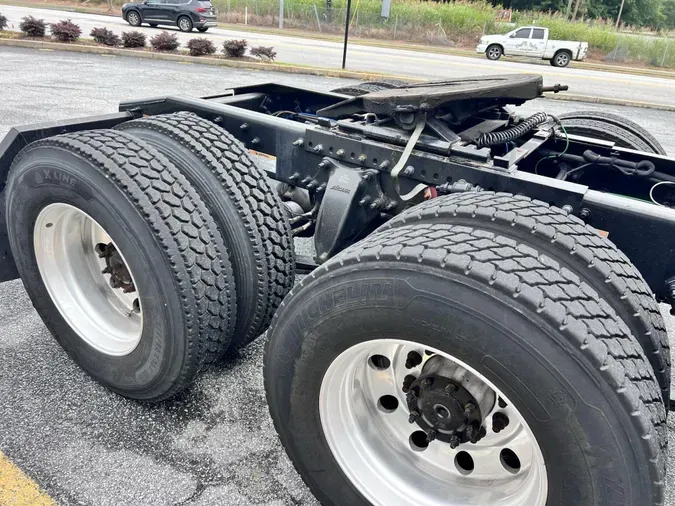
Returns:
(450, 387)
(414, 415)
(431, 435)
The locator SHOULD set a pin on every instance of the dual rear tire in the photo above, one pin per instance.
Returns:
(533, 330)
(148, 260)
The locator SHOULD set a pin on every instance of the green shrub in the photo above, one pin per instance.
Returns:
(235, 48)
(165, 41)
(33, 27)
(3, 22)
(65, 31)
(133, 39)
(200, 47)
(106, 37)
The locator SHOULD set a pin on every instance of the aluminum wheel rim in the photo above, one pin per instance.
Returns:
(494, 53)
(184, 24)
(562, 59)
(106, 318)
(373, 447)
(133, 18)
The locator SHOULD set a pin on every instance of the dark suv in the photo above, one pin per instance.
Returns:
(185, 14)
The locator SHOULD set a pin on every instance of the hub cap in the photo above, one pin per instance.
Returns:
(562, 59)
(88, 279)
(184, 24)
(494, 52)
(133, 18)
(395, 416)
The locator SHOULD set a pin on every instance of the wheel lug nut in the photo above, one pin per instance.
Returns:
(431, 436)
(414, 415)
(468, 409)
(454, 442)
(450, 387)
(411, 396)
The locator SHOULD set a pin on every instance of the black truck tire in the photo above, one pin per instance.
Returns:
(571, 243)
(540, 338)
(246, 209)
(611, 127)
(359, 89)
(68, 192)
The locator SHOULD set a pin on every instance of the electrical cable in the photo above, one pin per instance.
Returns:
(512, 133)
(576, 169)
(567, 146)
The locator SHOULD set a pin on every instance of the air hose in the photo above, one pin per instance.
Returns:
(512, 133)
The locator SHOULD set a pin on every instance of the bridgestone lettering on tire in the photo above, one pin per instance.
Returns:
(164, 232)
(536, 331)
(245, 207)
(565, 238)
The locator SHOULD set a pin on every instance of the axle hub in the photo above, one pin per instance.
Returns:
(120, 277)
(443, 408)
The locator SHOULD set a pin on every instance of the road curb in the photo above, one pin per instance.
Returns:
(273, 67)
(291, 69)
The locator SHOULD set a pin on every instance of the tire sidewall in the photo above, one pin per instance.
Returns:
(42, 176)
(567, 406)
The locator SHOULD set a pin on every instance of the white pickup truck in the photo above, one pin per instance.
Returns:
(532, 41)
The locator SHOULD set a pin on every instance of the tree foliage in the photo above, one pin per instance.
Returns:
(658, 14)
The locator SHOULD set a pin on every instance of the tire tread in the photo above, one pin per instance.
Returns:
(181, 225)
(572, 237)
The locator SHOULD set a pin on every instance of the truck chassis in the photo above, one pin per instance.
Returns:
(410, 192)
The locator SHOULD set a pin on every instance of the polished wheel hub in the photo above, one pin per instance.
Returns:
(443, 407)
(409, 424)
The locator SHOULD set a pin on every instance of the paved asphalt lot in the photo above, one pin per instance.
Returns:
(390, 60)
(214, 445)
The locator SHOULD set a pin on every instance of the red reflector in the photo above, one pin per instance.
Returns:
(201, 9)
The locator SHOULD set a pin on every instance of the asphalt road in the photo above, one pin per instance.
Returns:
(215, 445)
(393, 61)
